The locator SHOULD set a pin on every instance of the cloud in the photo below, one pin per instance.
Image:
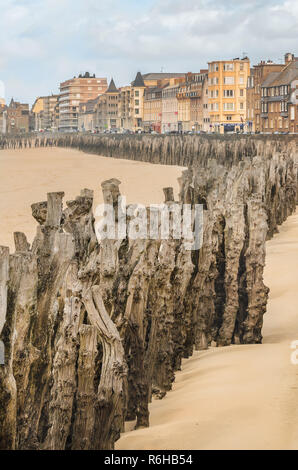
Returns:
(43, 42)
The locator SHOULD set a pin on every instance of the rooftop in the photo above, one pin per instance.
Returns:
(161, 75)
(284, 77)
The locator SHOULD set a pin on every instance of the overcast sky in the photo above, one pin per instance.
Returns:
(43, 42)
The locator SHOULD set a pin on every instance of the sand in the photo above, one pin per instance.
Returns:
(238, 397)
(27, 175)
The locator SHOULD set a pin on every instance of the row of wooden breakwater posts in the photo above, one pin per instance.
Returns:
(94, 330)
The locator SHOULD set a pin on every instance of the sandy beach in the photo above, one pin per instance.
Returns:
(238, 397)
(28, 175)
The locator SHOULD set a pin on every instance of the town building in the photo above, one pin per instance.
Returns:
(169, 121)
(50, 109)
(86, 116)
(75, 91)
(279, 98)
(161, 79)
(139, 105)
(106, 109)
(124, 107)
(17, 117)
(258, 75)
(190, 102)
(227, 81)
(37, 113)
(137, 102)
(131, 104)
(206, 126)
(153, 109)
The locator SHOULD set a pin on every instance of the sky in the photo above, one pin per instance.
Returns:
(44, 42)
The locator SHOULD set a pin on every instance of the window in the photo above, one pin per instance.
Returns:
(241, 105)
(228, 67)
(137, 93)
(229, 80)
(137, 111)
(228, 93)
(241, 79)
(241, 66)
(229, 118)
(137, 102)
(228, 106)
(241, 92)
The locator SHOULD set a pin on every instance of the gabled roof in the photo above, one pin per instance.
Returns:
(112, 87)
(138, 81)
(284, 77)
(287, 75)
(270, 79)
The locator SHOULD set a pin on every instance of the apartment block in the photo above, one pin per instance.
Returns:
(75, 91)
(37, 112)
(50, 110)
(106, 109)
(140, 105)
(279, 99)
(258, 75)
(153, 109)
(190, 102)
(227, 80)
(169, 121)
(87, 116)
(17, 117)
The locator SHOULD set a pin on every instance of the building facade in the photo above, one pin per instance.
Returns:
(138, 88)
(227, 81)
(107, 109)
(50, 110)
(258, 75)
(43, 112)
(74, 92)
(87, 116)
(169, 121)
(37, 112)
(190, 102)
(17, 118)
(153, 109)
(279, 98)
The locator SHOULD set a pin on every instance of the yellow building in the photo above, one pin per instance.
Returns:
(38, 113)
(227, 81)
